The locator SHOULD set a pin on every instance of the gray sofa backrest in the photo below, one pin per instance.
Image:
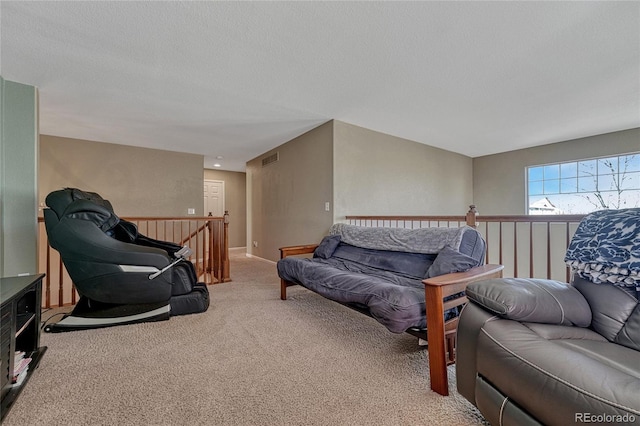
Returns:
(419, 253)
(465, 239)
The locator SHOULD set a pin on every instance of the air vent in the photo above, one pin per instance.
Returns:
(270, 159)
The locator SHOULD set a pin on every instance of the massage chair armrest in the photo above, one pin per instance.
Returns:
(532, 300)
(171, 248)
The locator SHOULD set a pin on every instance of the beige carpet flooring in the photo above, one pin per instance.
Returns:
(251, 359)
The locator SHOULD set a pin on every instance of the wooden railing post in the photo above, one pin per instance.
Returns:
(47, 292)
(209, 266)
(472, 215)
(60, 283)
(225, 253)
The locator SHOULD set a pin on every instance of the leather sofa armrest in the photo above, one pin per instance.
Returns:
(532, 300)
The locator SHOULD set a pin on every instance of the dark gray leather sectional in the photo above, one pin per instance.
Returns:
(534, 351)
(539, 351)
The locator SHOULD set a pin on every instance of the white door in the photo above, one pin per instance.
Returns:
(214, 198)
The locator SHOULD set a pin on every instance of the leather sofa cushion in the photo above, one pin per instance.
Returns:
(532, 300)
(616, 313)
(552, 379)
(606, 353)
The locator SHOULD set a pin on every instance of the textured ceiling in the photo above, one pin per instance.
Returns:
(235, 79)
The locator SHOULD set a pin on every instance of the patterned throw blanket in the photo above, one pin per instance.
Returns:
(606, 248)
(423, 240)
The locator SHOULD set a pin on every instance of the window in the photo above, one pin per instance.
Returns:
(579, 187)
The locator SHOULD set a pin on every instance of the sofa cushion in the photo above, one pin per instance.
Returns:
(327, 246)
(553, 379)
(449, 261)
(397, 303)
(413, 265)
(610, 354)
(532, 300)
(616, 313)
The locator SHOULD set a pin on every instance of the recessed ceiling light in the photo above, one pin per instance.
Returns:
(219, 157)
(217, 165)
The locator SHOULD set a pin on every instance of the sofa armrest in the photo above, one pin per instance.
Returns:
(458, 281)
(532, 300)
(436, 289)
(295, 250)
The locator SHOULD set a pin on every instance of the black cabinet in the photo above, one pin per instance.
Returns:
(20, 299)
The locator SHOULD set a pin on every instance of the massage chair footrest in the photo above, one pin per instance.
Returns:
(191, 303)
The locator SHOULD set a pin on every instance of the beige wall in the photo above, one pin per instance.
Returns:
(379, 174)
(235, 201)
(137, 181)
(499, 180)
(355, 170)
(286, 198)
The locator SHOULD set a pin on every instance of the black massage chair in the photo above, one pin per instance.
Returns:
(122, 276)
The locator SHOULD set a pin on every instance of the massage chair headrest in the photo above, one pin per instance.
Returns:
(77, 204)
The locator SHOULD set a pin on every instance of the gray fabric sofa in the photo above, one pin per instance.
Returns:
(382, 272)
(381, 269)
(537, 351)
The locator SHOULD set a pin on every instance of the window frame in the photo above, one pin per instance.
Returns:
(578, 173)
